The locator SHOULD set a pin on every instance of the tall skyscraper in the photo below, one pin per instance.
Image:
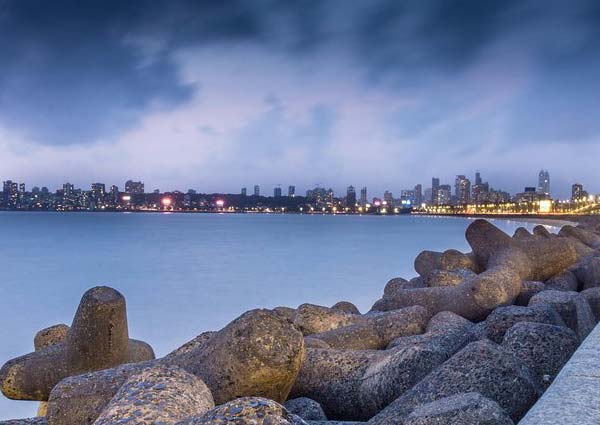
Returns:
(544, 183)
(363, 196)
(478, 177)
(577, 192)
(277, 192)
(256, 190)
(10, 194)
(418, 195)
(462, 190)
(435, 186)
(350, 196)
(244, 191)
(291, 191)
(444, 194)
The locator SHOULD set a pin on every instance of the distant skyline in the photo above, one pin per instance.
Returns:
(376, 93)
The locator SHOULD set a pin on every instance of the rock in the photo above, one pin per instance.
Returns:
(192, 345)
(30, 421)
(375, 332)
(97, 339)
(448, 277)
(528, 289)
(482, 367)
(387, 379)
(42, 408)
(246, 410)
(506, 262)
(79, 400)
(446, 330)
(522, 234)
(346, 306)
(590, 273)
(333, 378)
(572, 307)
(307, 409)
(543, 348)
(503, 318)
(592, 296)
(564, 281)
(50, 336)
(542, 232)
(312, 319)
(315, 343)
(158, 395)
(286, 312)
(427, 261)
(258, 340)
(460, 409)
(452, 259)
(397, 284)
(586, 237)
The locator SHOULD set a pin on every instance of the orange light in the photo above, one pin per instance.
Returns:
(166, 201)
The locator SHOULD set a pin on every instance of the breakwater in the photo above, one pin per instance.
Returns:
(476, 335)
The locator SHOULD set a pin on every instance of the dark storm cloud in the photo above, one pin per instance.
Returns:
(74, 72)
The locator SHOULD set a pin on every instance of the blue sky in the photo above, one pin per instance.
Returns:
(379, 93)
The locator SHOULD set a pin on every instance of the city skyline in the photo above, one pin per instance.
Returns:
(463, 189)
(203, 94)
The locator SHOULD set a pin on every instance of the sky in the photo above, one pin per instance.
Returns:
(217, 95)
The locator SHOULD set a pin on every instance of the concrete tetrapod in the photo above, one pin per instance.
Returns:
(257, 354)
(506, 261)
(98, 339)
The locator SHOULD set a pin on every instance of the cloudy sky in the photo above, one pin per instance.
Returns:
(216, 95)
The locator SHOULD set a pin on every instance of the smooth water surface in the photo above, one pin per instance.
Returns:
(183, 274)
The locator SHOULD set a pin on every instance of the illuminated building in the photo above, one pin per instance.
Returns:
(10, 194)
(132, 187)
(98, 193)
(418, 195)
(291, 191)
(388, 197)
(462, 190)
(577, 192)
(544, 183)
(350, 196)
(444, 194)
(363, 196)
(435, 185)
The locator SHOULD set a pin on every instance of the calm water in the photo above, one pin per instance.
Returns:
(183, 274)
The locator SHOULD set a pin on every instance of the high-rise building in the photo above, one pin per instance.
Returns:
(277, 192)
(244, 191)
(462, 190)
(478, 177)
(544, 183)
(350, 196)
(388, 197)
(363, 196)
(435, 185)
(418, 195)
(444, 194)
(132, 187)
(10, 194)
(291, 191)
(577, 192)
(114, 194)
(256, 190)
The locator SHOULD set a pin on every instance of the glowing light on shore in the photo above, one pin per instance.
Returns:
(220, 203)
(166, 202)
(126, 198)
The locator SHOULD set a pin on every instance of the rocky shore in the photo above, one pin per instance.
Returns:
(476, 338)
